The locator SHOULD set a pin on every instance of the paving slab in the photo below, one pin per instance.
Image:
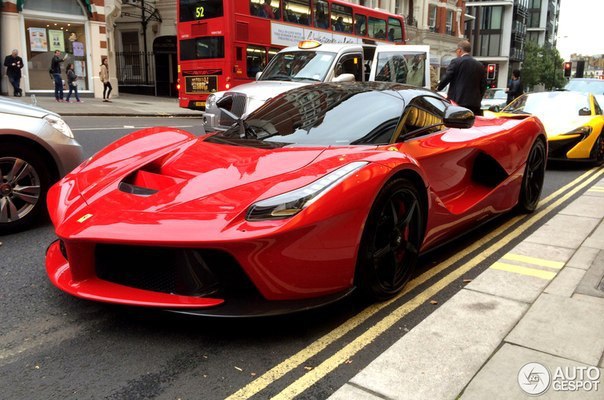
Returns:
(566, 282)
(576, 230)
(498, 379)
(592, 284)
(583, 258)
(585, 206)
(509, 285)
(543, 251)
(564, 327)
(437, 358)
(596, 239)
(589, 299)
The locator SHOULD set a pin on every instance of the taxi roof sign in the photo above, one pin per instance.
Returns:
(308, 44)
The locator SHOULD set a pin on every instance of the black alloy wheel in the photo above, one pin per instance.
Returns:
(391, 241)
(597, 152)
(23, 184)
(532, 180)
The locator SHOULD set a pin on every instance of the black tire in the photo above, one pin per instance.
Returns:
(532, 180)
(391, 240)
(24, 181)
(597, 152)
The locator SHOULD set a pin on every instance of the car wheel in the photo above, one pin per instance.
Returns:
(24, 181)
(597, 152)
(532, 180)
(391, 240)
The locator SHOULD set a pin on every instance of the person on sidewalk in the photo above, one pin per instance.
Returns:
(104, 75)
(72, 82)
(13, 64)
(55, 71)
(467, 79)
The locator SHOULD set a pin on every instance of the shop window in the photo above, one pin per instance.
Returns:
(341, 18)
(43, 38)
(71, 7)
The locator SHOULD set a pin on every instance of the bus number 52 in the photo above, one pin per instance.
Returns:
(199, 12)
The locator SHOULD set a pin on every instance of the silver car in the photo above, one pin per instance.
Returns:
(36, 149)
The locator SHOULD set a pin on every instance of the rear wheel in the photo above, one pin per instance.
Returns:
(532, 181)
(391, 240)
(23, 184)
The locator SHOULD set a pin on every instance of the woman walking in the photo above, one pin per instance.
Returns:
(104, 75)
(72, 79)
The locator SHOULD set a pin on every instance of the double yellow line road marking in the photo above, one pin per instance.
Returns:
(339, 357)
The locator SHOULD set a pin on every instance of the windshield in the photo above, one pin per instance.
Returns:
(586, 86)
(299, 66)
(496, 94)
(311, 117)
(559, 104)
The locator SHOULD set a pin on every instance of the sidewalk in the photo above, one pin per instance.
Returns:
(531, 324)
(125, 105)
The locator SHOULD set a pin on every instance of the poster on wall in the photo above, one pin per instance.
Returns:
(37, 39)
(80, 68)
(78, 49)
(57, 40)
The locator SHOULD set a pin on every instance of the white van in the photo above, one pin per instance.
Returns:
(312, 62)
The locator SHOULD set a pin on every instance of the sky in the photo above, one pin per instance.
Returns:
(581, 27)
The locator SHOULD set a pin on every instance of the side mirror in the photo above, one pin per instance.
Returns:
(258, 74)
(458, 117)
(343, 78)
(585, 111)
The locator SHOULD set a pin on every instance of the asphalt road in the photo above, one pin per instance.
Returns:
(54, 346)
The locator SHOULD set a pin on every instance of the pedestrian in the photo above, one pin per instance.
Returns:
(466, 78)
(104, 75)
(13, 64)
(514, 88)
(55, 72)
(72, 82)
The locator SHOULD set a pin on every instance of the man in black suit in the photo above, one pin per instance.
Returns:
(13, 64)
(466, 78)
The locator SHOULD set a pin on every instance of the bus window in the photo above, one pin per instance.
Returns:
(377, 28)
(202, 47)
(254, 59)
(341, 18)
(395, 30)
(194, 10)
(265, 8)
(360, 25)
(321, 14)
(271, 53)
(296, 11)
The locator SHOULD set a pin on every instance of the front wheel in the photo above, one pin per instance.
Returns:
(532, 180)
(391, 240)
(597, 152)
(24, 181)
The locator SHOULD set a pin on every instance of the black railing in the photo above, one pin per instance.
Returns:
(135, 68)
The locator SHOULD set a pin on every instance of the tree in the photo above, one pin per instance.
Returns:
(542, 65)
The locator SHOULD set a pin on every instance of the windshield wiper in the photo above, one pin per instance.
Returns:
(306, 78)
(278, 78)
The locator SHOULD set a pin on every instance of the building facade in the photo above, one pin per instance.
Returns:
(36, 28)
(542, 22)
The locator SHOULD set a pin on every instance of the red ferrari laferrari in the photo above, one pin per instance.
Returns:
(325, 189)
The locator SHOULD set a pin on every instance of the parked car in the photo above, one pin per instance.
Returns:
(494, 99)
(587, 85)
(293, 207)
(573, 121)
(37, 148)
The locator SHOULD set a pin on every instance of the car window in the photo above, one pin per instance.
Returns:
(546, 104)
(350, 64)
(311, 117)
(423, 116)
(299, 66)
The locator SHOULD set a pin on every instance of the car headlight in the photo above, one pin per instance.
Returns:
(584, 131)
(59, 125)
(211, 101)
(288, 204)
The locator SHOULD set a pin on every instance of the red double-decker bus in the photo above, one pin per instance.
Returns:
(224, 43)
